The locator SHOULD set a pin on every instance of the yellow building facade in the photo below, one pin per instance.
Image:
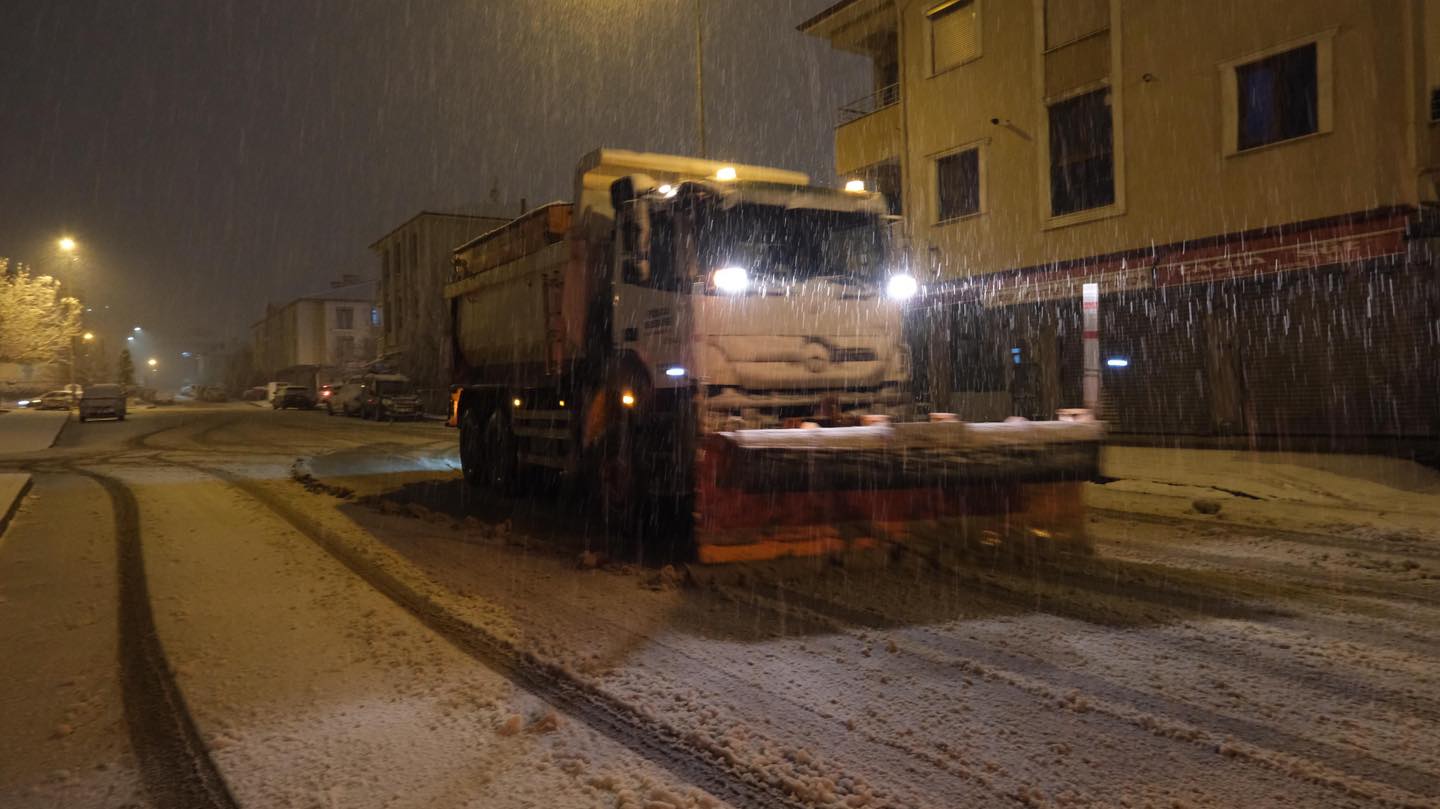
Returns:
(1215, 167)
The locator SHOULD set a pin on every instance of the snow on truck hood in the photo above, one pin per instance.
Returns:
(826, 306)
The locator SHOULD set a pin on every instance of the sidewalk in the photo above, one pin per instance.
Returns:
(1363, 495)
(30, 430)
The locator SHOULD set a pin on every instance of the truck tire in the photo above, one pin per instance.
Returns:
(498, 456)
(611, 460)
(472, 448)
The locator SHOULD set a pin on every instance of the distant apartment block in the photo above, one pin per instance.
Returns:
(327, 333)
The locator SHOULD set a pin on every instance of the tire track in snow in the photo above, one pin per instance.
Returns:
(1404, 547)
(698, 762)
(1278, 750)
(1294, 573)
(1290, 755)
(175, 766)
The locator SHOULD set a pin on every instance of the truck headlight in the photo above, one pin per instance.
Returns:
(901, 287)
(731, 280)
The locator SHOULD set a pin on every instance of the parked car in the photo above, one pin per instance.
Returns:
(213, 393)
(296, 396)
(345, 399)
(389, 396)
(55, 400)
(255, 394)
(99, 401)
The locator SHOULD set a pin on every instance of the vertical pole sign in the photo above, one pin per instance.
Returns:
(1090, 307)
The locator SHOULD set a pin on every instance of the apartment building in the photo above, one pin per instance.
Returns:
(1250, 183)
(415, 263)
(321, 336)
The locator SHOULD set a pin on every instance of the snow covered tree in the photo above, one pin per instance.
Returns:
(37, 323)
(127, 368)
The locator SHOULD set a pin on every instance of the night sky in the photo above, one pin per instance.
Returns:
(211, 155)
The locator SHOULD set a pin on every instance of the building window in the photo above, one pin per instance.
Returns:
(957, 185)
(345, 349)
(1435, 104)
(374, 317)
(884, 179)
(344, 317)
(1082, 154)
(1279, 97)
(954, 33)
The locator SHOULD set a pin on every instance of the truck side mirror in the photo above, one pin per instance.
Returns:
(633, 224)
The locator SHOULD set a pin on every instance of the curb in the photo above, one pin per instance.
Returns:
(15, 504)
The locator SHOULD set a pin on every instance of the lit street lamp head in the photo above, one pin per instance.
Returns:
(87, 336)
(152, 362)
(66, 244)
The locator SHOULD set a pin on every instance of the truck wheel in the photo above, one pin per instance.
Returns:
(472, 447)
(610, 458)
(499, 455)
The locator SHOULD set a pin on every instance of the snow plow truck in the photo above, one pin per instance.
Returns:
(724, 342)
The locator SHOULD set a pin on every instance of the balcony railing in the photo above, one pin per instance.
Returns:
(870, 103)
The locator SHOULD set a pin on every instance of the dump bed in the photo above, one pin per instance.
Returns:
(505, 296)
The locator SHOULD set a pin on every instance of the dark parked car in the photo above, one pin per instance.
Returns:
(346, 399)
(389, 396)
(256, 394)
(296, 396)
(100, 401)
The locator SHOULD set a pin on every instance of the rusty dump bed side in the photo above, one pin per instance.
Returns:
(764, 494)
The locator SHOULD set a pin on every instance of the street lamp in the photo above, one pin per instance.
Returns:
(152, 362)
(87, 336)
(66, 244)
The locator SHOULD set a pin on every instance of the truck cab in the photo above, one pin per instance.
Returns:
(773, 301)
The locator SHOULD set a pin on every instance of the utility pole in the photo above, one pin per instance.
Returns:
(700, 76)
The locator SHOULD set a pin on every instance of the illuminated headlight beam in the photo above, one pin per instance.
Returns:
(731, 280)
(901, 287)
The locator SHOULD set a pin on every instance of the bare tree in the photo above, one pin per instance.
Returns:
(38, 324)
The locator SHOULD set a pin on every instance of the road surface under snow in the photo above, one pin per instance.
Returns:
(1252, 630)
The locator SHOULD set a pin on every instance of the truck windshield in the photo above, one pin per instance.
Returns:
(795, 243)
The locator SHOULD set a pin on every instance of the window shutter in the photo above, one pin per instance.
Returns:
(953, 34)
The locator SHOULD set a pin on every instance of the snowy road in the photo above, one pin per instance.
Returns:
(184, 624)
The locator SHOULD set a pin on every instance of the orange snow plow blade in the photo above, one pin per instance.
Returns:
(769, 494)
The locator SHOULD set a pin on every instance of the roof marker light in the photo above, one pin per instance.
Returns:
(725, 174)
(1118, 362)
(855, 186)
